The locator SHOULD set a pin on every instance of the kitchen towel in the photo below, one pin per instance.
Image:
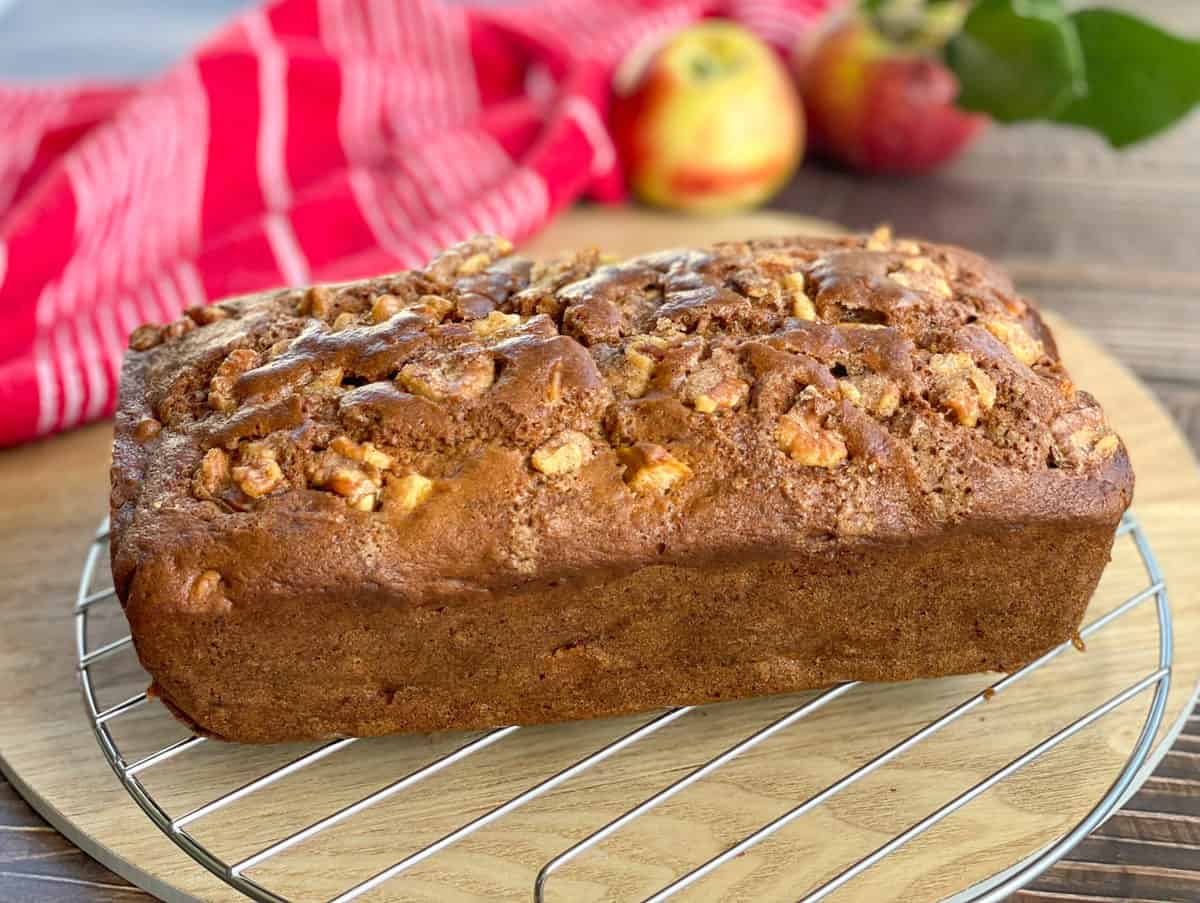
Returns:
(307, 141)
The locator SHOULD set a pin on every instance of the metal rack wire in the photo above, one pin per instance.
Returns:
(235, 873)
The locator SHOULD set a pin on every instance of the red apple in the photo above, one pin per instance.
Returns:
(879, 108)
(709, 121)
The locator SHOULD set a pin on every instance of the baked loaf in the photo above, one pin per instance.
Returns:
(495, 491)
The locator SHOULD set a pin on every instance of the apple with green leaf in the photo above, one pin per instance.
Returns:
(901, 86)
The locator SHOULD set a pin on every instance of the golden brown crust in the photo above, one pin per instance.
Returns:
(489, 427)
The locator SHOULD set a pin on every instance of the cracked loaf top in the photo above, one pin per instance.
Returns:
(490, 422)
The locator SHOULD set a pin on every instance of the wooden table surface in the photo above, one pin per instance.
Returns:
(1112, 241)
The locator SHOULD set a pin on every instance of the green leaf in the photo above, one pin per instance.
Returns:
(1017, 59)
(1140, 79)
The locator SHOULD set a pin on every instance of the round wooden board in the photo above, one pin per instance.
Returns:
(55, 494)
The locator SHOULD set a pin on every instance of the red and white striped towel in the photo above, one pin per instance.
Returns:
(309, 140)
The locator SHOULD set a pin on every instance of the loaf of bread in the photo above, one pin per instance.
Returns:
(496, 491)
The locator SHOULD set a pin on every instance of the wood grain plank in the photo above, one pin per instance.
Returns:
(39, 864)
(15, 813)
(1135, 853)
(19, 887)
(1178, 765)
(1171, 799)
(1157, 827)
(1180, 786)
(1047, 896)
(1122, 881)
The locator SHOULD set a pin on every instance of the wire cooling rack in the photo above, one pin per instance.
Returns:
(236, 873)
